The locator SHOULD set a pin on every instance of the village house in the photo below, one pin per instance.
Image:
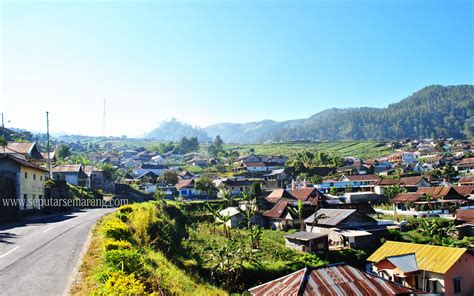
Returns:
(71, 173)
(156, 169)
(258, 167)
(308, 242)
(402, 157)
(275, 179)
(27, 180)
(411, 184)
(280, 218)
(465, 165)
(360, 182)
(465, 222)
(357, 168)
(199, 162)
(248, 158)
(466, 181)
(346, 228)
(25, 149)
(334, 279)
(235, 215)
(186, 189)
(431, 269)
(236, 186)
(95, 177)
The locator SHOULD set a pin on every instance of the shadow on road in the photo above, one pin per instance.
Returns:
(31, 220)
(4, 236)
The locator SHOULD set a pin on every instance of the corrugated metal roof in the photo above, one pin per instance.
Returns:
(330, 280)
(406, 263)
(430, 258)
(333, 216)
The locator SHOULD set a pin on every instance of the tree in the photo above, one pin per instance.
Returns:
(169, 177)
(228, 262)
(205, 186)
(159, 195)
(3, 143)
(218, 143)
(188, 144)
(63, 151)
(333, 191)
(448, 172)
(317, 217)
(256, 189)
(226, 195)
(392, 190)
(220, 218)
(298, 212)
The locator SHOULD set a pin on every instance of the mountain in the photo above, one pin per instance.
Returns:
(432, 112)
(174, 130)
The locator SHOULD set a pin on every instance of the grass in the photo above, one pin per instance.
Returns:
(136, 260)
(362, 149)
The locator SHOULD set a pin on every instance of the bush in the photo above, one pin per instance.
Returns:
(117, 230)
(123, 284)
(117, 245)
(128, 261)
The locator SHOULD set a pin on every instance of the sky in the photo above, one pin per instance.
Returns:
(206, 62)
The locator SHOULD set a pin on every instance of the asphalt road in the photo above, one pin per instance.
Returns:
(40, 257)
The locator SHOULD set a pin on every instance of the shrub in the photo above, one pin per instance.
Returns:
(128, 261)
(117, 230)
(117, 245)
(123, 284)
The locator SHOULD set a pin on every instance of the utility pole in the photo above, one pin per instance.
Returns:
(3, 128)
(47, 144)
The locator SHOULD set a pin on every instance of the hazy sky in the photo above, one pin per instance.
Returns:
(205, 62)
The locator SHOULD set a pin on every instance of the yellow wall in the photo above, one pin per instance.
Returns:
(31, 187)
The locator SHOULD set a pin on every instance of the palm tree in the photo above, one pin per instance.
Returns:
(317, 217)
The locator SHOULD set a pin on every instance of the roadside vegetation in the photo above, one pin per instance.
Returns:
(176, 248)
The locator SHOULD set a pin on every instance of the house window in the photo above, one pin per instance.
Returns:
(26, 175)
(41, 178)
(25, 200)
(457, 285)
(34, 176)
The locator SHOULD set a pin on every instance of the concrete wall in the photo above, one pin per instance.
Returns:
(463, 269)
(32, 186)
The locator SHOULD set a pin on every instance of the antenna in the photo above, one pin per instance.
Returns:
(103, 120)
(47, 144)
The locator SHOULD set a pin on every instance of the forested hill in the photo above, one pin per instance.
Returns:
(174, 130)
(434, 111)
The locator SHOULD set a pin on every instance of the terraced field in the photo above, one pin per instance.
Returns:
(365, 150)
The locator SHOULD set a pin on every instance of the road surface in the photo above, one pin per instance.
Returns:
(39, 257)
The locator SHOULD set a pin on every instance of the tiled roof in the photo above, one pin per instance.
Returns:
(466, 179)
(429, 257)
(331, 280)
(464, 190)
(407, 197)
(466, 215)
(439, 191)
(411, 181)
(184, 183)
(277, 194)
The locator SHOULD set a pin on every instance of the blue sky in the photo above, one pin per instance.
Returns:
(205, 62)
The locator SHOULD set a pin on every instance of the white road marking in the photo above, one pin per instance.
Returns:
(1, 256)
(48, 229)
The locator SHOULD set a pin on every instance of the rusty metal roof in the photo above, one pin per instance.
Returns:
(337, 279)
(430, 258)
